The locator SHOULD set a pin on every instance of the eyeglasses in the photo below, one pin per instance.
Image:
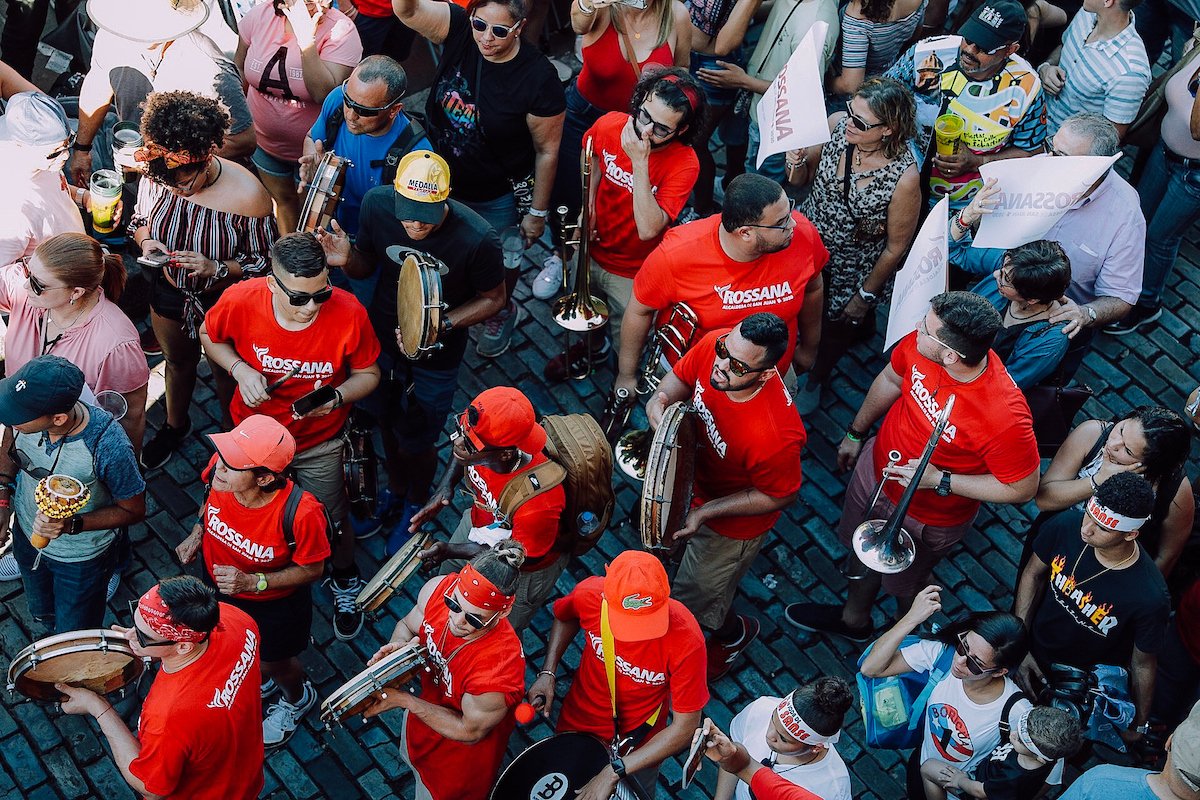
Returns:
(922, 328)
(858, 121)
(499, 31)
(1052, 150)
(299, 299)
(657, 128)
(974, 665)
(474, 620)
(788, 223)
(991, 52)
(1004, 278)
(736, 367)
(61, 151)
(365, 111)
(35, 286)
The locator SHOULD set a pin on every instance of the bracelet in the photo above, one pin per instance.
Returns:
(102, 713)
(5, 503)
(339, 401)
(1095, 485)
(584, 10)
(542, 672)
(958, 222)
(234, 366)
(854, 437)
(80, 147)
(537, 212)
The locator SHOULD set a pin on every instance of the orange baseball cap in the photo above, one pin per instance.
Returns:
(258, 442)
(503, 417)
(637, 591)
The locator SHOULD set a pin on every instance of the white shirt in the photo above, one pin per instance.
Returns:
(827, 778)
(33, 207)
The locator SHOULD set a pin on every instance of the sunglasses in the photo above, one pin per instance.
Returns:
(35, 286)
(657, 128)
(991, 52)
(736, 367)
(499, 31)
(474, 620)
(1004, 278)
(61, 151)
(974, 665)
(299, 299)
(921, 328)
(142, 638)
(858, 122)
(365, 111)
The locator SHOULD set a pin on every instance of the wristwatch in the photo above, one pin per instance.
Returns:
(943, 487)
(80, 147)
(537, 212)
(222, 271)
(1091, 315)
(261, 586)
(75, 524)
(447, 324)
(618, 766)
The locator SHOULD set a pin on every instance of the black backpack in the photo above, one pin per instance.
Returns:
(403, 143)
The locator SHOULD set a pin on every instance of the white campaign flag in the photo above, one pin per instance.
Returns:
(923, 275)
(791, 113)
(1034, 194)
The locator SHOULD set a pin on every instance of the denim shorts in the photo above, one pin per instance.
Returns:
(274, 166)
(716, 96)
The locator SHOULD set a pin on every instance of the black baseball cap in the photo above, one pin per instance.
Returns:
(995, 24)
(46, 385)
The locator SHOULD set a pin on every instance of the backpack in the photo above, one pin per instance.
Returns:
(404, 141)
(892, 707)
(581, 457)
(290, 506)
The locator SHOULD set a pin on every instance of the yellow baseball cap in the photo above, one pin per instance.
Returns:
(422, 185)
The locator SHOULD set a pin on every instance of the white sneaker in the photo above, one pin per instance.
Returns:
(9, 571)
(548, 282)
(283, 717)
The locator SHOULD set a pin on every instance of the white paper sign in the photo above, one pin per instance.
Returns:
(791, 113)
(1034, 194)
(922, 277)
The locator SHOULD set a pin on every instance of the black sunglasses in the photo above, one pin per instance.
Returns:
(736, 367)
(499, 31)
(36, 286)
(144, 640)
(299, 299)
(474, 620)
(657, 128)
(787, 223)
(859, 122)
(365, 111)
(975, 666)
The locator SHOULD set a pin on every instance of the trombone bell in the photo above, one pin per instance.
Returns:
(579, 313)
(883, 552)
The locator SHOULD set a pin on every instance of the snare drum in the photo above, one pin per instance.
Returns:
(393, 574)
(390, 673)
(553, 768)
(324, 193)
(100, 660)
(419, 306)
(670, 474)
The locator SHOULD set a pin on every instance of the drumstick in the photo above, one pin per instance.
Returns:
(271, 387)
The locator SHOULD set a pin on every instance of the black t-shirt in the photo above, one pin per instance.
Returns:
(465, 243)
(1090, 616)
(481, 165)
(1005, 779)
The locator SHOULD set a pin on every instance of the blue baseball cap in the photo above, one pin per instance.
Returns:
(46, 385)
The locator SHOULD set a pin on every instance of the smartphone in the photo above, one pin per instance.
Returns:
(314, 399)
(156, 258)
(638, 4)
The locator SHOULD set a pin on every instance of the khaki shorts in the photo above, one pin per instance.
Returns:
(533, 588)
(617, 291)
(319, 470)
(712, 567)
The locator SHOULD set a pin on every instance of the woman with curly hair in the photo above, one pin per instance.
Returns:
(210, 220)
(865, 201)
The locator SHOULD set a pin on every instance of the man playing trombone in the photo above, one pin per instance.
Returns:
(987, 453)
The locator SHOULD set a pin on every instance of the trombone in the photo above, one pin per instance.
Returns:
(883, 544)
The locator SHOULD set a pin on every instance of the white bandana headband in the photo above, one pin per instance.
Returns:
(795, 725)
(1112, 520)
(1026, 739)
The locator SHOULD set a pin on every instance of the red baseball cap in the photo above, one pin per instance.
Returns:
(258, 442)
(503, 417)
(637, 591)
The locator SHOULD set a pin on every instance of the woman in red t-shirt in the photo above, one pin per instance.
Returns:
(264, 542)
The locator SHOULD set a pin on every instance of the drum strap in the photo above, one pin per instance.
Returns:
(607, 642)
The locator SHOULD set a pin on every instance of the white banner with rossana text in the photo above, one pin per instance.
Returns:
(922, 277)
(1034, 194)
(791, 113)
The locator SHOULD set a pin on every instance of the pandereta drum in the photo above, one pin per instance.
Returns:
(392, 575)
(419, 308)
(389, 674)
(360, 465)
(97, 659)
(324, 193)
(670, 474)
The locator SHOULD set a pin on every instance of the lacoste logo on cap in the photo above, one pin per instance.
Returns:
(635, 602)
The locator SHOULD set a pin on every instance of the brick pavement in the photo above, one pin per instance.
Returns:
(45, 755)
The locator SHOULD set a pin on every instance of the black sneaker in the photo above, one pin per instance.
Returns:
(149, 343)
(347, 617)
(158, 450)
(582, 361)
(1136, 318)
(824, 619)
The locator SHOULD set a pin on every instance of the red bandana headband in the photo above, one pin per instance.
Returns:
(479, 591)
(158, 619)
(688, 92)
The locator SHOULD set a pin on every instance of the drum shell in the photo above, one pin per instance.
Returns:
(324, 193)
(553, 768)
(126, 667)
(393, 575)
(670, 477)
(391, 672)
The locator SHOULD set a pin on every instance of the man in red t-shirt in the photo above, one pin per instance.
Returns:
(499, 441)
(658, 656)
(282, 337)
(456, 731)
(747, 470)
(643, 170)
(987, 453)
(759, 254)
(200, 729)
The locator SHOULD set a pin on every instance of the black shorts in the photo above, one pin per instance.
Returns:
(284, 623)
(167, 301)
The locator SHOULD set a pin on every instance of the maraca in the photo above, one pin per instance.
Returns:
(58, 497)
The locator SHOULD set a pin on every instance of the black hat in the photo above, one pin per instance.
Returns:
(995, 24)
(46, 385)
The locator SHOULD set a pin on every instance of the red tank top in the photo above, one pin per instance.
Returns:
(606, 80)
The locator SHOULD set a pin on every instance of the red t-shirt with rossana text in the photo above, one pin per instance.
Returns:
(200, 729)
(753, 444)
(252, 539)
(990, 431)
(453, 770)
(337, 341)
(535, 524)
(673, 171)
(670, 670)
(690, 267)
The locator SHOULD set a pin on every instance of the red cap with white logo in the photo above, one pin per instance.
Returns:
(637, 591)
(259, 441)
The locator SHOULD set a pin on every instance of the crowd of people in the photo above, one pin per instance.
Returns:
(212, 121)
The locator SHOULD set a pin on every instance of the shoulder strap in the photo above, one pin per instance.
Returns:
(1008, 707)
(1105, 429)
(413, 132)
(939, 670)
(610, 664)
(333, 124)
(289, 515)
(528, 485)
(630, 53)
(779, 35)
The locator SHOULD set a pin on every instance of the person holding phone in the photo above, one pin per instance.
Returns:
(286, 336)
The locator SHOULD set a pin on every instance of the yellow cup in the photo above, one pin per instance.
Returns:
(948, 129)
(105, 189)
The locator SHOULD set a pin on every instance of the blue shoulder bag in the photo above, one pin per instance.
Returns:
(892, 707)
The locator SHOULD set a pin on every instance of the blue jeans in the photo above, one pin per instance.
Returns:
(500, 213)
(64, 595)
(1170, 195)
(774, 166)
(1159, 23)
(581, 115)
(414, 404)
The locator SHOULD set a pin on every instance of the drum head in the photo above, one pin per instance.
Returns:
(392, 575)
(670, 473)
(418, 304)
(552, 769)
(393, 670)
(99, 660)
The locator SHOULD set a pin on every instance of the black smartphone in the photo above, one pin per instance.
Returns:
(314, 399)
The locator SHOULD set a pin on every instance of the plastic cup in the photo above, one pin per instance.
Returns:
(113, 402)
(513, 247)
(105, 190)
(948, 129)
(126, 141)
